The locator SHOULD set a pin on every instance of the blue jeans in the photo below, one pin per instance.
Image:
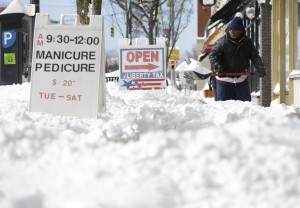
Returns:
(231, 91)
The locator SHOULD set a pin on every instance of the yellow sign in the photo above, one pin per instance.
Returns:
(175, 54)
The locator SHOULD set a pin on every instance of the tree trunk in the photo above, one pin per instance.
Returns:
(151, 29)
(97, 7)
(83, 11)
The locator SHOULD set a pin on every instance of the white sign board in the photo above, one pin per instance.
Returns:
(68, 68)
(142, 67)
(30, 9)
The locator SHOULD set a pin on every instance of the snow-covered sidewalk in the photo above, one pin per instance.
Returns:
(149, 151)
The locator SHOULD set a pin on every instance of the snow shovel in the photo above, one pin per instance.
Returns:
(192, 69)
(198, 76)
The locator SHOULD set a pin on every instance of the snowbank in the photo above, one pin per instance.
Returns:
(149, 151)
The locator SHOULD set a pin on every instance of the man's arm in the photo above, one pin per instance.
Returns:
(215, 57)
(257, 61)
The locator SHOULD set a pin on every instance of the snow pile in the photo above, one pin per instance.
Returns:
(115, 73)
(150, 151)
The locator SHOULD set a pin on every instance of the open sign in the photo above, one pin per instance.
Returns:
(143, 56)
(142, 68)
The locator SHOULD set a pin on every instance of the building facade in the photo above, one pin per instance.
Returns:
(276, 34)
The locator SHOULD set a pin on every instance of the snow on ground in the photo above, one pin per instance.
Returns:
(149, 150)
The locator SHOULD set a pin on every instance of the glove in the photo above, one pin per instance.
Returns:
(219, 69)
(261, 73)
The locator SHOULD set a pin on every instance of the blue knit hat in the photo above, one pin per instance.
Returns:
(237, 22)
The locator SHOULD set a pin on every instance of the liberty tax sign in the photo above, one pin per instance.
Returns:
(142, 68)
(68, 68)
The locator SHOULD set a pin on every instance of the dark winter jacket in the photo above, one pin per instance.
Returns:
(234, 55)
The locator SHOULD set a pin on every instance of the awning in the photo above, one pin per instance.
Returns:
(227, 12)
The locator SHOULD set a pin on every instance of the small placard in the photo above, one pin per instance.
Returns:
(30, 9)
(9, 58)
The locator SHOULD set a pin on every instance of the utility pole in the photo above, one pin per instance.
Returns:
(30, 36)
(171, 41)
(37, 10)
(266, 82)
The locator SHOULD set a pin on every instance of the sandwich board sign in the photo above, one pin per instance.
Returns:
(143, 67)
(68, 67)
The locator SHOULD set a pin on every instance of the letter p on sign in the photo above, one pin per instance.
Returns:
(8, 38)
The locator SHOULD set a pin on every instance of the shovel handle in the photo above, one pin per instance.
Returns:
(229, 74)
